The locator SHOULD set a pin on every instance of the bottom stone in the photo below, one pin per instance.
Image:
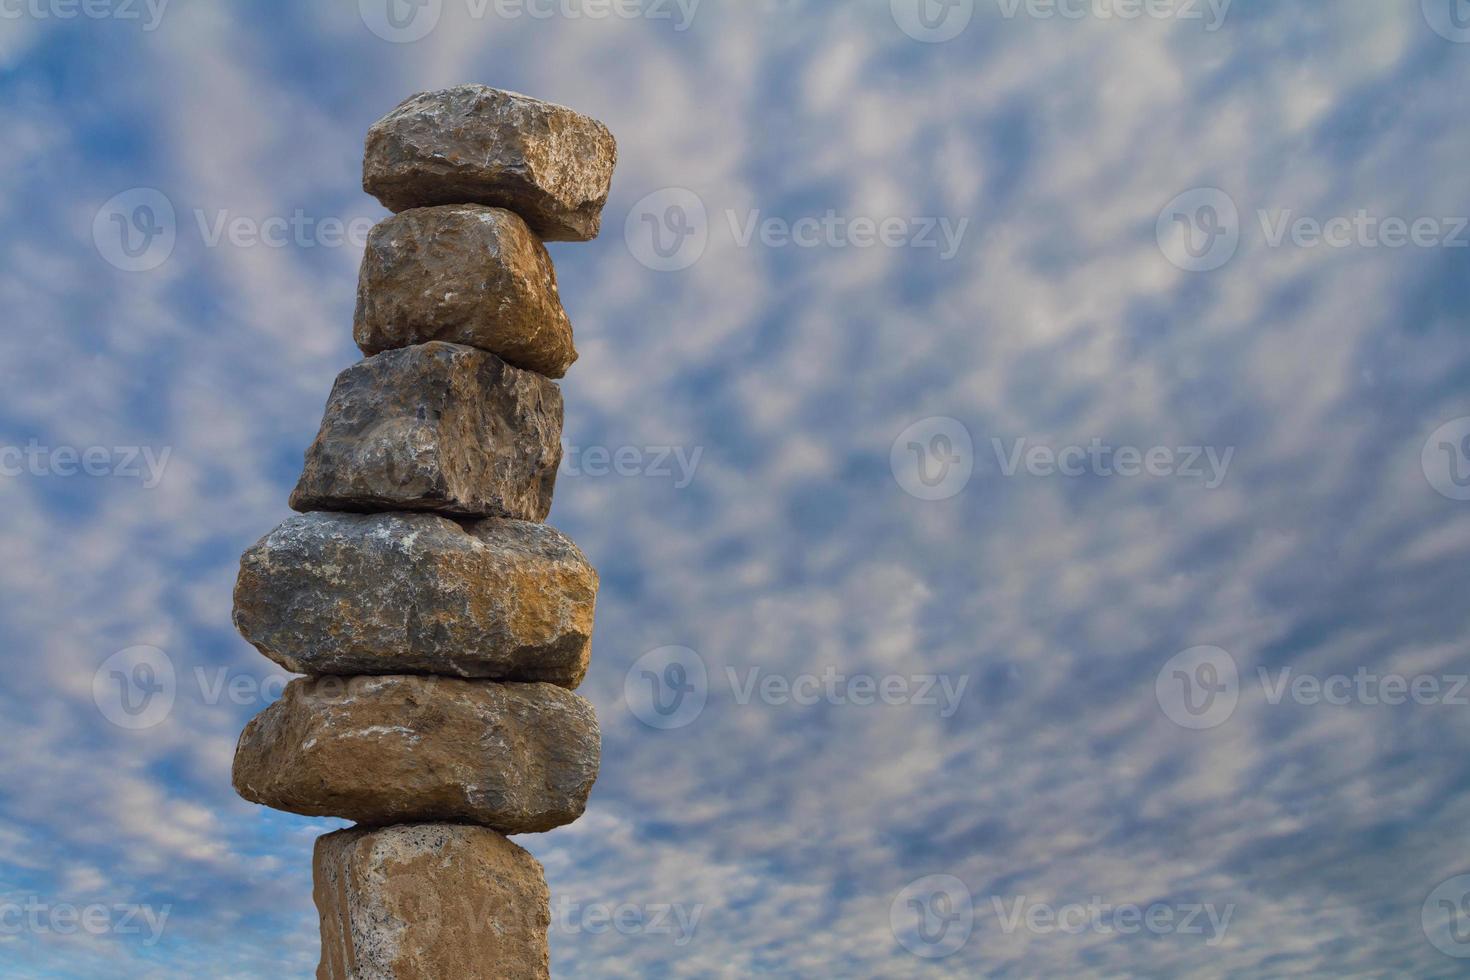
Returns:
(428, 902)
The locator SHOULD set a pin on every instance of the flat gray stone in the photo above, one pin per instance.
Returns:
(438, 427)
(464, 274)
(517, 758)
(430, 902)
(400, 593)
(472, 144)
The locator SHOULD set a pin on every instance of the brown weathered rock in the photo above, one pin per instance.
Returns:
(465, 274)
(472, 144)
(518, 758)
(437, 427)
(329, 593)
(430, 902)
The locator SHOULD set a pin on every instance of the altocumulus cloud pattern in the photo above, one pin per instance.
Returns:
(1026, 448)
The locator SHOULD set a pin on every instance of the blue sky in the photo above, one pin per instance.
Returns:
(928, 290)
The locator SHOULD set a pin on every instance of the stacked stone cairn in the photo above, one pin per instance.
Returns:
(441, 624)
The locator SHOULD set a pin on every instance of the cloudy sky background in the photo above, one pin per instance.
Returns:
(794, 831)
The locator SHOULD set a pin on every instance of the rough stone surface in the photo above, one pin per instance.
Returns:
(518, 758)
(438, 427)
(465, 274)
(472, 144)
(329, 593)
(430, 902)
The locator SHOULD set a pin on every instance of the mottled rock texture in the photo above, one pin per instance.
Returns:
(518, 758)
(439, 427)
(400, 593)
(472, 144)
(467, 275)
(430, 902)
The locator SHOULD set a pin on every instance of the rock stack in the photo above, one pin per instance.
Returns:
(441, 625)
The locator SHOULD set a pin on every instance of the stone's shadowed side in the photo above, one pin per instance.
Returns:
(517, 758)
(428, 902)
(437, 427)
(467, 275)
(400, 593)
(477, 145)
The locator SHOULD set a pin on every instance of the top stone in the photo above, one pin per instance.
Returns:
(472, 144)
